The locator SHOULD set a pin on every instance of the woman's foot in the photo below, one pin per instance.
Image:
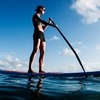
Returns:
(42, 72)
(31, 71)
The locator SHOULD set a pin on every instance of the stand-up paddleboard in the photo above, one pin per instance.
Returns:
(78, 74)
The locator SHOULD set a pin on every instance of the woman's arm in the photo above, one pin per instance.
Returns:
(44, 22)
(44, 27)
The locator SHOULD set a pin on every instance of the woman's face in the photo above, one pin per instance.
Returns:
(43, 11)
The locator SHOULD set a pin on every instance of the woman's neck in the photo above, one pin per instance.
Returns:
(38, 14)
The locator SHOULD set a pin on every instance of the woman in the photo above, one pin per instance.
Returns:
(39, 38)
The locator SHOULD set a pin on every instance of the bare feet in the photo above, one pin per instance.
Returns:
(42, 72)
(31, 71)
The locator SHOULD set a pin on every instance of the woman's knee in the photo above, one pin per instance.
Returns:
(35, 50)
(42, 53)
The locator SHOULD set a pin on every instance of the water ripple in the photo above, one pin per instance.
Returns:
(49, 88)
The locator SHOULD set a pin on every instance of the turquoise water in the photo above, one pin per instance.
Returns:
(14, 87)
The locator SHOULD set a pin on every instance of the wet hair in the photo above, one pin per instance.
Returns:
(38, 8)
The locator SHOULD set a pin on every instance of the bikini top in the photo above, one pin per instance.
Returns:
(36, 21)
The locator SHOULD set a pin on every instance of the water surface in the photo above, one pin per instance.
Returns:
(16, 87)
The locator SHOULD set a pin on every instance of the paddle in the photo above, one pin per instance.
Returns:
(70, 47)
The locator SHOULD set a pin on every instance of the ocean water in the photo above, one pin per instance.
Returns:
(16, 87)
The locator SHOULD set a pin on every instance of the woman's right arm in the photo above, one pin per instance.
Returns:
(44, 22)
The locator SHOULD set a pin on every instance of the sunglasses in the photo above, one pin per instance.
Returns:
(43, 9)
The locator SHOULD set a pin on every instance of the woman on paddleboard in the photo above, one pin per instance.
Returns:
(39, 38)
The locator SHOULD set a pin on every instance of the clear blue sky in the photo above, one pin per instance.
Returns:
(79, 21)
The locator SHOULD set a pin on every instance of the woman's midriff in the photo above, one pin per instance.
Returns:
(40, 28)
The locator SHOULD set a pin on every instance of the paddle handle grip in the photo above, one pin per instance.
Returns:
(51, 20)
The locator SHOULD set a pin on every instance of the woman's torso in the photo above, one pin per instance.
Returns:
(37, 24)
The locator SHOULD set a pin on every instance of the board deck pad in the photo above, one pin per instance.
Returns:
(78, 74)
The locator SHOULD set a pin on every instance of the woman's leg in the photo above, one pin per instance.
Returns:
(33, 54)
(41, 58)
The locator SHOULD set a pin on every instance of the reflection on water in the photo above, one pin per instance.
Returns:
(50, 88)
(35, 87)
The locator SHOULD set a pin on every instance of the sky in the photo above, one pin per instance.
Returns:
(78, 20)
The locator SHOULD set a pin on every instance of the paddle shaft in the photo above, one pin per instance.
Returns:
(70, 47)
